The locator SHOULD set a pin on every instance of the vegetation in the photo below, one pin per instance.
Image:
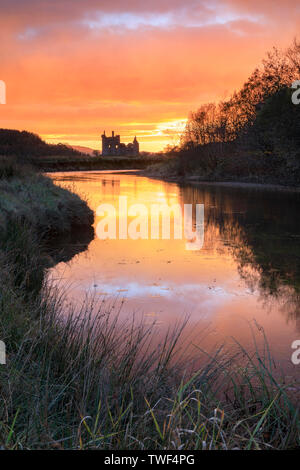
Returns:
(29, 197)
(86, 380)
(253, 136)
(62, 163)
(29, 146)
(82, 378)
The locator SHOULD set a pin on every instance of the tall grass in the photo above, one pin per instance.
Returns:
(28, 196)
(11, 167)
(80, 378)
(84, 378)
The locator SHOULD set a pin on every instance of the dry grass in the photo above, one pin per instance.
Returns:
(80, 379)
(27, 196)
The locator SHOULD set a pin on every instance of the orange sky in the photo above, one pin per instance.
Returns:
(76, 67)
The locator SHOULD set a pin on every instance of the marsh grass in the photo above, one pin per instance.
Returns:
(11, 167)
(81, 378)
(29, 197)
(89, 163)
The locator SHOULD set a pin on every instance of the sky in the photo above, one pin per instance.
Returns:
(73, 68)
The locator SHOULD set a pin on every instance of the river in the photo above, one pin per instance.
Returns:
(245, 278)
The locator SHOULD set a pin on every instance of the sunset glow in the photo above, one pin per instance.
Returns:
(74, 68)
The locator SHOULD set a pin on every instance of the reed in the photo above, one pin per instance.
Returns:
(81, 378)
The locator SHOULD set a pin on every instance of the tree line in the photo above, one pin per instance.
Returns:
(255, 133)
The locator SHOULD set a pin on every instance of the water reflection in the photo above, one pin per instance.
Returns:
(63, 248)
(262, 229)
(248, 267)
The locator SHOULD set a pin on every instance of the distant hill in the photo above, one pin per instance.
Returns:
(28, 145)
(82, 149)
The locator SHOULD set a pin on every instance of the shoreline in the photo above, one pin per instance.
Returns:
(192, 180)
(31, 199)
(195, 181)
(104, 164)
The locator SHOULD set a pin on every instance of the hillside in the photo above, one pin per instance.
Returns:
(28, 145)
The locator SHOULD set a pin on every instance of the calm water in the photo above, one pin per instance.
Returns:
(247, 272)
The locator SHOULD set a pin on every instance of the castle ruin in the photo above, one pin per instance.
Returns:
(112, 146)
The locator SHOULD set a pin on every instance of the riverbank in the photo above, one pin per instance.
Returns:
(169, 171)
(198, 181)
(79, 377)
(30, 198)
(48, 164)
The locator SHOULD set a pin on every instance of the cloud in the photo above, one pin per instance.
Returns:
(72, 67)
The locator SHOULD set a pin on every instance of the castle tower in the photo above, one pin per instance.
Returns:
(104, 144)
(136, 147)
(110, 145)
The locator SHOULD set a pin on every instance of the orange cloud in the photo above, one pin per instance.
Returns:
(82, 66)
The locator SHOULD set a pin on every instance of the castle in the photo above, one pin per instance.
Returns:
(111, 146)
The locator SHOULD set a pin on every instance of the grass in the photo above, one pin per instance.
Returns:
(63, 163)
(27, 196)
(79, 377)
(83, 378)
(243, 167)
